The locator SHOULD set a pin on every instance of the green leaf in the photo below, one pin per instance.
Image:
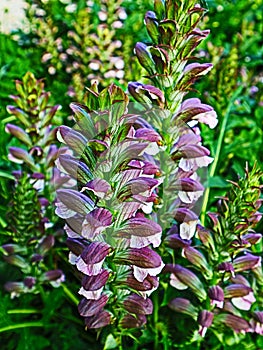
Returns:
(218, 182)
(6, 175)
(110, 343)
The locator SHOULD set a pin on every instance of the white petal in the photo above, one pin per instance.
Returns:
(244, 303)
(95, 294)
(187, 229)
(62, 211)
(90, 270)
(140, 274)
(189, 197)
(140, 242)
(176, 283)
(72, 258)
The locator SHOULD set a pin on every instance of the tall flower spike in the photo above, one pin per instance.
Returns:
(109, 236)
(31, 215)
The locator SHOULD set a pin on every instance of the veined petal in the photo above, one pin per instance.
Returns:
(95, 222)
(75, 201)
(98, 186)
(89, 307)
(140, 242)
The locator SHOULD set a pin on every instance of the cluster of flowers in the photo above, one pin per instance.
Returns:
(89, 50)
(139, 173)
(31, 215)
(109, 236)
(229, 264)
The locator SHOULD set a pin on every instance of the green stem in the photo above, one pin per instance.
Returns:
(155, 320)
(69, 294)
(21, 325)
(217, 154)
(23, 311)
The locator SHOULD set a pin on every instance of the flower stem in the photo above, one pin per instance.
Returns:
(217, 153)
(69, 294)
(23, 311)
(21, 325)
(155, 320)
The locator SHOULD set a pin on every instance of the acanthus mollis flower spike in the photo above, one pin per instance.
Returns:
(185, 277)
(184, 306)
(246, 262)
(216, 295)
(205, 320)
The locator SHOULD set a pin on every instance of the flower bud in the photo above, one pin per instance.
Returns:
(90, 307)
(205, 319)
(129, 321)
(92, 283)
(197, 259)
(238, 324)
(19, 155)
(246, 262)
(46, 244)
(175, 241)
(143, 257)
(29, 282)
(151, 23)
(95, 252)
(184, 306)
(74, 201)
(216, 294)
(19, 133)
(188, 278)
(144, 57)
(257, 322)
(76, 245)
(136, 304)
(101, 319)
(236, 290)
(16, 260)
